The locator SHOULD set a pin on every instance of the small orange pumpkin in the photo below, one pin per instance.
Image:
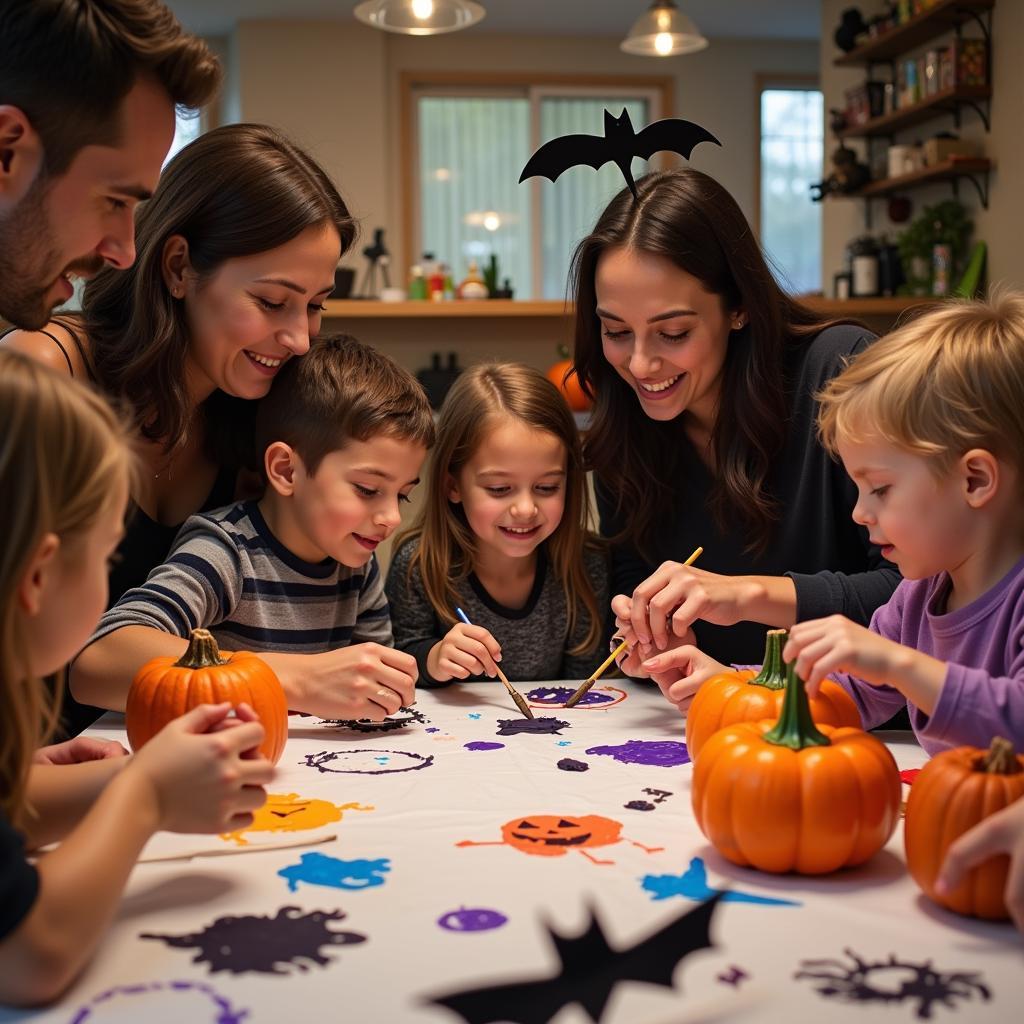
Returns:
(748, 695)
(955, 790)
(788, 796)
(165, 689)
(568, 382)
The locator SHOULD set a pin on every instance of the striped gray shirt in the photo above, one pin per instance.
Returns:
(228, 573)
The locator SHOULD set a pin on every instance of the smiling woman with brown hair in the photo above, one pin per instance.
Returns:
(703, 373)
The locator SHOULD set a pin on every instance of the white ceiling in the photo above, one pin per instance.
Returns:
(761, 19)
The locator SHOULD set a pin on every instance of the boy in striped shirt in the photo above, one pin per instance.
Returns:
(293, 576)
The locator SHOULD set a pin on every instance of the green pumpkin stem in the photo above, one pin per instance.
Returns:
(1000, 759)
(773, 672)
(202, 651)
(795, 728)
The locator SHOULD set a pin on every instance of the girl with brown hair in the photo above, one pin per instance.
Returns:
(503, 535)
(66, 458)
(236, 254)
(703, 373)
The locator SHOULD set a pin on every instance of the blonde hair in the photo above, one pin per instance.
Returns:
(479, 401)
(63, 453)
(946, 382)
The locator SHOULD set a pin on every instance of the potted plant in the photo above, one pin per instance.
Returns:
(944, 223)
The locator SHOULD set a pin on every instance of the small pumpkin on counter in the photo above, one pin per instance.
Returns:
(165, 689)
(792, 796)
(954, 791)
(568, 383)
(749, 695)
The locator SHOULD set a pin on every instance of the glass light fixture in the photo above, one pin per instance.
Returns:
(420, 17)
(663, 32)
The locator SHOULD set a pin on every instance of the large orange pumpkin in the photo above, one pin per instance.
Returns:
(749, 695)
(956, 790)
(788, 796)
(568, 382)
(165, 689)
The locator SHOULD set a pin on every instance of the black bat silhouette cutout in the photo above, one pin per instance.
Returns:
(619, 144)
(590, 971)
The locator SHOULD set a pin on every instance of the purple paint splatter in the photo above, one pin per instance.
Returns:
(567, 764)
(433, 728)
(226, 1013)
(558, 695)
(639, 805)
(483, 745)
(471, 919)
(658, 753)
(534, 726)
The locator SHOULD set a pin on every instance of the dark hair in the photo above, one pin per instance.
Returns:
(688, 218)
(68, 65)
(342, 391)
(236, 191)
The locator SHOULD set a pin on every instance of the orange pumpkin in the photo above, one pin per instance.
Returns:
(955, 790)
(788, 796)
(564, 378)
(165, 689)
(748, 695)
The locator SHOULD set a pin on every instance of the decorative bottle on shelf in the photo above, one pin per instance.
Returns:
(435, 283)
(473, 286)
(417, 282)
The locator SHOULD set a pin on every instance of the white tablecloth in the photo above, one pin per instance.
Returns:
(430, 791)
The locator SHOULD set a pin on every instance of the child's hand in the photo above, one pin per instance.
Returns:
(1000, 833)
(365, 680)
(204, 778)
(835, 644)
(465, 651)
(680, 672)
(79, 750)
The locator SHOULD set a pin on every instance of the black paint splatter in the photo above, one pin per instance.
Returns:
(659, 795)
(535, 726)
(344, 761)
(639, 805)
(918, 982)
(399, 720)
(241, 944)
(567, 764)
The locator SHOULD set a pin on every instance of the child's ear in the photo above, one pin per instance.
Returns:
(37, 574)
(980, 472)
(452, 487)
(280, 462)
(175, 265)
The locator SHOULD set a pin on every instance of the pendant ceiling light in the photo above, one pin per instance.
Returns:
(663, 32)
(420, 17)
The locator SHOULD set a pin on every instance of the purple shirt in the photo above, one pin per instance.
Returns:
(983, 647)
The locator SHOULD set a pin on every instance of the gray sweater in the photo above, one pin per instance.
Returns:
(228, 573)
(534, 639)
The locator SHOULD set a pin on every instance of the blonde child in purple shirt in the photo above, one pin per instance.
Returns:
(929, 423)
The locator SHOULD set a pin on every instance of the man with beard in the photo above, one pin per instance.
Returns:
(88, 90)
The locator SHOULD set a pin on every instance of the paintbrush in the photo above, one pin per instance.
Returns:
(512, 691)
(282, 844)
(584, 687)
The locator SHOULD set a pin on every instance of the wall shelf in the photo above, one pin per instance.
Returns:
(975, 169)
(928, 25)
(947, 102)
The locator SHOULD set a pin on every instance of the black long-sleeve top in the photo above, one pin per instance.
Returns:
(816, 543)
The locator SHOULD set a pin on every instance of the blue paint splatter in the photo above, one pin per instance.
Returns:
(319, 869)
(383, 759)
(474, 714)
(483, 745)
(693, 885)
(659, 753)
(563, 743)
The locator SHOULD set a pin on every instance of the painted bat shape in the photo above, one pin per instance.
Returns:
(618, 144)
(589, 972)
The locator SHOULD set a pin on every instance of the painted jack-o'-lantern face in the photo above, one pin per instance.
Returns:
(288, 812)
(553, 835)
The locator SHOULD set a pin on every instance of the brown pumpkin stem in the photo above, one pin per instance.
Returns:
(773, 671)
(1000, 759)
(202, 651)
(795, 728)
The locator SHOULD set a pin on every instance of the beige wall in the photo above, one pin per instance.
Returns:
(334, 88)
(1000, 226)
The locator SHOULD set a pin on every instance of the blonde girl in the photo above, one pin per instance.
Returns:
(502, 535)
(64, 474)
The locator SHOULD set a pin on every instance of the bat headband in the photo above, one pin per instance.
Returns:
(619, 144)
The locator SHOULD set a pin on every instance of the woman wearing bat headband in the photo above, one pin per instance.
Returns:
(704, 373)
